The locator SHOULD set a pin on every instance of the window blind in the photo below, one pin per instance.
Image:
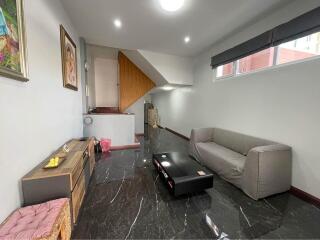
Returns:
(301, 26)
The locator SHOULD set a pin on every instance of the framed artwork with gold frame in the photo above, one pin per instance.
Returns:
(69, 60)
(13, 54)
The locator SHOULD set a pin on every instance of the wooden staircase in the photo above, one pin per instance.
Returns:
(134, 84)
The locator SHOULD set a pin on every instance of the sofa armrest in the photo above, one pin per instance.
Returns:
(199, 135)
(271, 148)
(267, 171)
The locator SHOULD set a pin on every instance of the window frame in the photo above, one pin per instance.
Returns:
(275, 64)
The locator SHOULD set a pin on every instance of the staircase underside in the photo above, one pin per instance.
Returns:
(134, 83)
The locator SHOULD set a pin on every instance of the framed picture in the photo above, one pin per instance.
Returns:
(69, 60)
(13, 62)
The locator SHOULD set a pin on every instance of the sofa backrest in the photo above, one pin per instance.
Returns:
(238, 142)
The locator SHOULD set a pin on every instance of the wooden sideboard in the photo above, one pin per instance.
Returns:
(70, 179)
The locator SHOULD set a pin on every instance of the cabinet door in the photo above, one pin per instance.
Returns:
(92, 156)
(40, 190)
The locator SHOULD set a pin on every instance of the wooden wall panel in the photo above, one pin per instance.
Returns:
(134, 84)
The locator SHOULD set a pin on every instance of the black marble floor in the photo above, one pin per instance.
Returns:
(127, 200)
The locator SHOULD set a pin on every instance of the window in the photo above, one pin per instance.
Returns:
(225, 70)
(256, 61)
(299, 49)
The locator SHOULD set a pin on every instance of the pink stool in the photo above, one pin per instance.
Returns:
(105, 144)
(49, 220)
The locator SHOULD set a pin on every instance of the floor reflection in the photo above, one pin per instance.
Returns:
(126, 199)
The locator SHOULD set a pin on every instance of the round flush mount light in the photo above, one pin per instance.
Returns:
(187, 39)
(171, 5)
(117, 23)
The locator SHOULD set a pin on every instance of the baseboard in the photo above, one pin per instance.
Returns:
(139, 134)
(135, 145)
(132, 146)
(305, 196)
(178, 134)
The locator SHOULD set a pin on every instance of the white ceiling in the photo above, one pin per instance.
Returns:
(147, 26)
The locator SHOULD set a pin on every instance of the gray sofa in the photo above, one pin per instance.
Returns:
(259, 167)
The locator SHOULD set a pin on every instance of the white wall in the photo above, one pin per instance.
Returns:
(83, 59)
(96, 93)
(106, 82)
(174, 69)
(117, 127)
(138, 110)
(281, 104)
(40, 115)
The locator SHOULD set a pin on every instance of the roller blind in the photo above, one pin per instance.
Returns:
(247, 48)
(301, 26)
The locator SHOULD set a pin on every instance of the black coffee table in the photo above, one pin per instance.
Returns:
(181, 173)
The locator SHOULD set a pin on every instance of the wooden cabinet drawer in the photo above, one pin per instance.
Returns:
(92, 160)
(80, 163)
(92, 157)
(77, 196)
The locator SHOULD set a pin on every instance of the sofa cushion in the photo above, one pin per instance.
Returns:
(225, 162)
(32, 222)
(238, 142)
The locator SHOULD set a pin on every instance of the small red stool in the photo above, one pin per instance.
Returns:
(49, 220)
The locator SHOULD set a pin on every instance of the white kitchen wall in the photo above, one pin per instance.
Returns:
(40, 115)
(280, 104)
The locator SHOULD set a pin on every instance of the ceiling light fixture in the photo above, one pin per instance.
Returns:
(168, 88)
(187, 39)
(171, 5)
(117, 23)
(165, 164)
